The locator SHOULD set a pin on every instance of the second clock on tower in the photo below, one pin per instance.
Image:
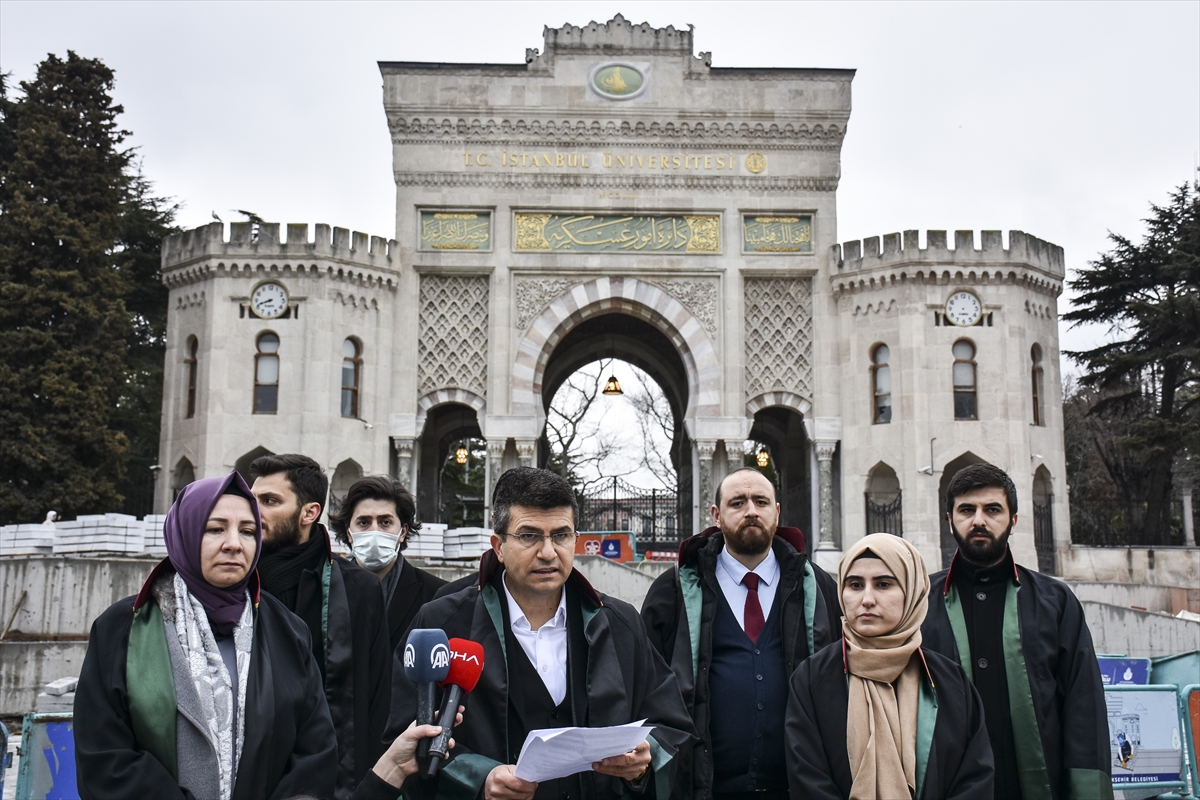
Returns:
(964, 308)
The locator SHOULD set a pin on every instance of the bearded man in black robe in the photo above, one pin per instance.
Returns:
(1023, 639)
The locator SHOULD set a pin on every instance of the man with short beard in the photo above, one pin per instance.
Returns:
(759, 607)
(1022, 637)
(340, 602)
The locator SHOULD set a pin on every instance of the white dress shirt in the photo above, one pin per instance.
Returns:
(730, 572)
(547, 646)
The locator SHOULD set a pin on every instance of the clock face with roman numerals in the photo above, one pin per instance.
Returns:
(963, 308)
(269, 300)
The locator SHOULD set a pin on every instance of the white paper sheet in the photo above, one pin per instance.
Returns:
(558, 752)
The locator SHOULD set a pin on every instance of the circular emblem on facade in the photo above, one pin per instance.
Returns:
(618, 81)
(964, 308)
(269, 300)
(756, 162)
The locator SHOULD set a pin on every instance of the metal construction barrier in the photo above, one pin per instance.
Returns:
(47, 770)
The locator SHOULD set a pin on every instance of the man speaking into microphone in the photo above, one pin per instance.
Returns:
(556, 654)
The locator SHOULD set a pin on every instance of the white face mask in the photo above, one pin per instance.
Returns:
(374, 549)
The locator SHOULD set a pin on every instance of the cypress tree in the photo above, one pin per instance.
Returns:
(64, 324)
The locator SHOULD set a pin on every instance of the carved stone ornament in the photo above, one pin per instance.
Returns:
(522, 181)
(452, 346)
(699, 295)
(778, 336)
(535, 294)
(524, 132)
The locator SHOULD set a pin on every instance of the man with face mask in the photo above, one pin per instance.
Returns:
(1023, 639)
(377, 520)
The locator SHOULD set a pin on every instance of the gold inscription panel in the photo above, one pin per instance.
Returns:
(456, 230)
(615, 160)
(618, 233)
(777, 234)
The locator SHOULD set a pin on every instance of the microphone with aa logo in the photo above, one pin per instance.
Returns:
(426, 662)
(466, 665)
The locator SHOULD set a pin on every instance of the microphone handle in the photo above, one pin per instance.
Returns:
(439, 746)
(426, 701)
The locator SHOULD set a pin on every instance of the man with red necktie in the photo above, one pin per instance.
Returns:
(744, 607)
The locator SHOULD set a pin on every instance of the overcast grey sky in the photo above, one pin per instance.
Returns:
(1060, 119)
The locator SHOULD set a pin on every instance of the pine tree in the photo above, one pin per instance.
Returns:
(64, 324)
(1149, 373)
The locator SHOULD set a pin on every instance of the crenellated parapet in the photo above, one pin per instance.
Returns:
(338, 244)
(618, 34)
(866, 265)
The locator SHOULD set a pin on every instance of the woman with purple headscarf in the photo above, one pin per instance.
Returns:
(200, 687)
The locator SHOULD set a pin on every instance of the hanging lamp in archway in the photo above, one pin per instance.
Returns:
(612, 387)
(763, 458)
(461, 453)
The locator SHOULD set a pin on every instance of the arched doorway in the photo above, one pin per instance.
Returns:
(884, 510)
(642, 344)
(949, 544)
(344, 477)
(183, 474)
(441, 496)
(782, 430)
(242, 465)
(1043, 520)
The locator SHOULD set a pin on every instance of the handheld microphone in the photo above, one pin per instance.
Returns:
(466, 665)
(426, 662)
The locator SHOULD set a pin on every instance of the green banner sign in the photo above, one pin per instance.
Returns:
(777, 234)
(618, 233)
(456, 230)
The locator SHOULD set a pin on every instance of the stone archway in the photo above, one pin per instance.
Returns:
(440, 427)
(637, 322)
(778, 422)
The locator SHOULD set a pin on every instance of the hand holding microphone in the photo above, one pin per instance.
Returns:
(466, 665)
(426, 662)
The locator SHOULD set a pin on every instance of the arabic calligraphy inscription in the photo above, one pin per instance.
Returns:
(618, 233)
(449, 230)
(777, 234)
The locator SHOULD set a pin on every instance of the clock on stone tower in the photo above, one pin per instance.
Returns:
(964, 308)
(269, 300)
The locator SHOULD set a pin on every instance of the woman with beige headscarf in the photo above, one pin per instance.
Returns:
(873, 715)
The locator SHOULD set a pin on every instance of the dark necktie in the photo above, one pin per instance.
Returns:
(752, 615)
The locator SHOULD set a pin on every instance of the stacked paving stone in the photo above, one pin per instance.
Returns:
(428, 543)
(466, 542)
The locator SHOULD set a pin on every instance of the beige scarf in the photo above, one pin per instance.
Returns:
(881, 718)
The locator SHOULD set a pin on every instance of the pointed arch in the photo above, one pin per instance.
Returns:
(609, 295)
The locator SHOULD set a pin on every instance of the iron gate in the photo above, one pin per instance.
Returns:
(884, 517)
(650, 514)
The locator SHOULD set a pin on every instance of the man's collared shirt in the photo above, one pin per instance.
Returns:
(547, 646)
(730, 572)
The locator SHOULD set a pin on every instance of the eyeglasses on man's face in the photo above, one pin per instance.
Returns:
(532, 540)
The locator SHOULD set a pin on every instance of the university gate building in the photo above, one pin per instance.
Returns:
(617, 195)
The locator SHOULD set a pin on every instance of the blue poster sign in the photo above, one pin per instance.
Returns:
(1124, 671)
(47, 770)
(611, 548)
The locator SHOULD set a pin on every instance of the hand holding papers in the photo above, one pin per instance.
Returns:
(558, 752)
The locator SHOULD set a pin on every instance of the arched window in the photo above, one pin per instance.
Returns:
(881, 385)
(351, 369)
(964, 380)
(1035, 355)
(266, 375)
(193, 348)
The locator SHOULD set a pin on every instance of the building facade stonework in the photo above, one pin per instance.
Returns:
(616, 194)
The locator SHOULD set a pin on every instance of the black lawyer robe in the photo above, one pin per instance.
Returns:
(626, 681)
(960, 758)
(356, 665)
(414, 588)
(1065, 688)
(289, 746)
